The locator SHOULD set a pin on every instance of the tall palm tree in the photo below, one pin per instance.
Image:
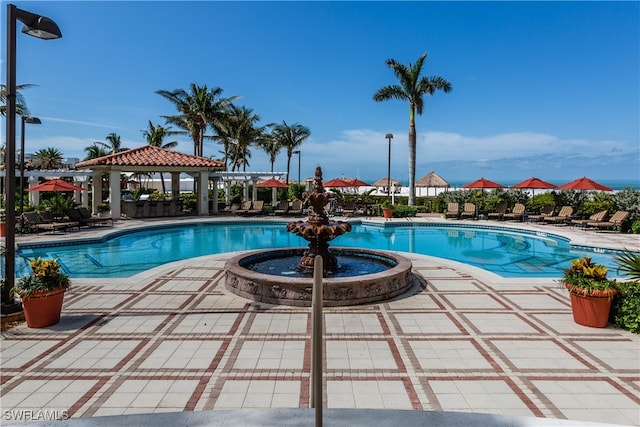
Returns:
(197, 109)
(21, 104)
(290, 137)
(271, 146)
(47, 159)
(94, 151)
(155, 134)
(242, 130)
(113, 144)
(412, 86)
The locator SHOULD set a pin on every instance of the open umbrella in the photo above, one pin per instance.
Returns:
(533, 183)
(584, 183)
(355, 182)
(483, 183)
(274, 184)
(56, 185)
(337, 182)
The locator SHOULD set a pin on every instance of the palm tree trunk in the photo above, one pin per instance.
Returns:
(412, 156)
(288, 165)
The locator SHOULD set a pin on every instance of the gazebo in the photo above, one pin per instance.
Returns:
(150, 159)
(432, 180)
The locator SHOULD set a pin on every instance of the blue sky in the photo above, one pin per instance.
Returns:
(549, 89)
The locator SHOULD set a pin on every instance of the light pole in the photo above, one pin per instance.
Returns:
(34, 121)
(299, 155)
(389, 136)
(42, 28)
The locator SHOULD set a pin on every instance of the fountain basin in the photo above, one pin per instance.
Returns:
(337, 291)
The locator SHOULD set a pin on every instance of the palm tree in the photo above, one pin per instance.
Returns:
(411, 88)
(290, 137)
(155, 134)
(47, 159)
(94, 151)
(21, 104)
(271, 146)
(113, 144)
(241, 130)
(198, 109)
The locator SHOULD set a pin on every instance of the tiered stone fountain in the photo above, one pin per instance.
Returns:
(352, 276)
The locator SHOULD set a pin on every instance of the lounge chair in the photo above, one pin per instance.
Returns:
(34, 222)
(256, 208)
(468, 211)
(563, 216)
(547, 210)
(615, 221)
(283, 208)
(596, 217)
(517, 213)
(296, 208)
(348, 208)
(453, 210)
(501, 209)
(245, 208)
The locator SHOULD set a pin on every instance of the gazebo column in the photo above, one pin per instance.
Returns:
(215, 194)
(114, 193)
(175, 185)
(254, 192)
(85, 194)
(96, 198)
(227, 191)
(203, 193)
(245, 190)
(34, 196)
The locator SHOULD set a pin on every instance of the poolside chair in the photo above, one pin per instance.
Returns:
(86, 216)
(283, 208)
(547, 210)
(256, 208)
(596, 217)
(34, 222)
(517, 213)
(297, 208)
(468, 211)
(349, 208)
(245, 208)
(615, 221)
(501, 209)
(563, 216)
(453, 210)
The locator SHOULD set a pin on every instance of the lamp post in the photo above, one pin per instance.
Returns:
(34, 121)
(389, 136)
(299, 155)
(42, 28)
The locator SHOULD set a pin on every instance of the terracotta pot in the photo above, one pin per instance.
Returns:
(387, 213)
(43, 309)
(592, 310)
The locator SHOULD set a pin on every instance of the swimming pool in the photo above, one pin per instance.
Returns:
(506, 252)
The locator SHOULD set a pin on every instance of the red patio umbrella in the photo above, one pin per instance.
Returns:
(56, 185)
(355, 182)
(584, 183)
(337, 183)
(533, 183)
(272, 183)
(483, 183)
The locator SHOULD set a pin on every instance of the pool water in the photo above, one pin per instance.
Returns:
(506, 253)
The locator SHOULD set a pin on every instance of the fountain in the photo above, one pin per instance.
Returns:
(352, 276)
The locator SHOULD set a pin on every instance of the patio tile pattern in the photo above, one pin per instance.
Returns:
(173, 339)
(176, 340)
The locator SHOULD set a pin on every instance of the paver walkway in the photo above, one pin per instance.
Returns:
(174, 339)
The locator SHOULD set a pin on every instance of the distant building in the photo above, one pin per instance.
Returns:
(70, 162)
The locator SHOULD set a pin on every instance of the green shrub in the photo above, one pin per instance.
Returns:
(402, 211)
(625, 309)
(635, 227)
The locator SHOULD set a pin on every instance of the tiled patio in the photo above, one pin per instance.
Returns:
(174, 339)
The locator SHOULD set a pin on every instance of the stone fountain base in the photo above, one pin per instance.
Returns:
(337, 291)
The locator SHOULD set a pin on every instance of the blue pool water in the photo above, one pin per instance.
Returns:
(506, 253)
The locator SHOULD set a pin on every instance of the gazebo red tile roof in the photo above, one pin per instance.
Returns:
(150, 157)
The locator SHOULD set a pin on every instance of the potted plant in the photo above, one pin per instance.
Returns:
(42, 292)
(103, 209)
(591, 292)
(387, 209)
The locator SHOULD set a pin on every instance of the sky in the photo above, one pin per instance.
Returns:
(547, 89)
